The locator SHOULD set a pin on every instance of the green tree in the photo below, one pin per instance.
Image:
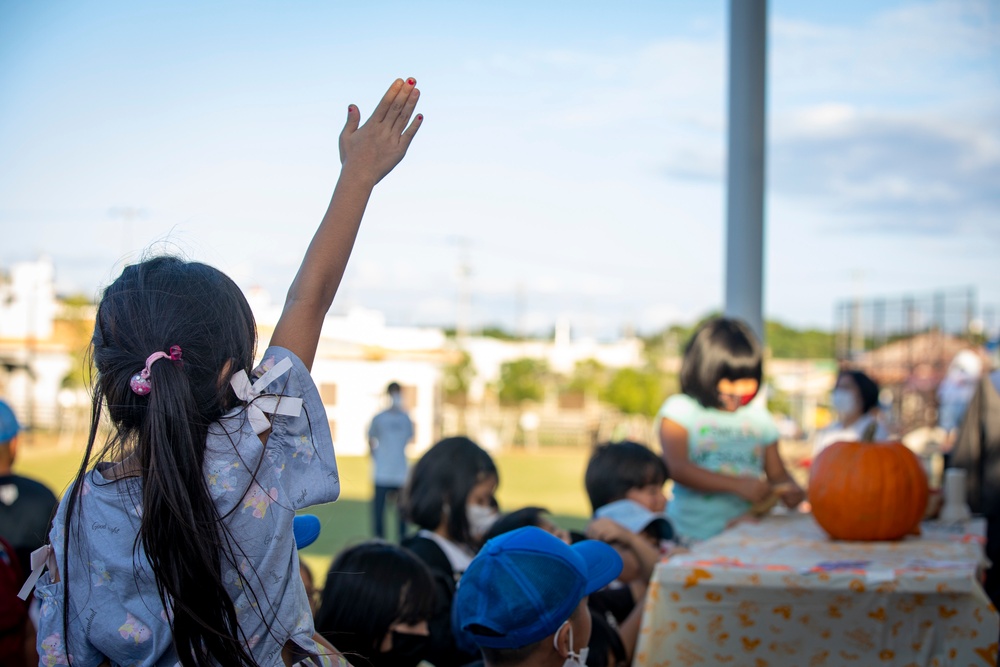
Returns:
(457, 377)
(589, 377)
(787, 342)
(79, 327)
(523, 380)
(783, 341)
(498, 332)
(638, 391)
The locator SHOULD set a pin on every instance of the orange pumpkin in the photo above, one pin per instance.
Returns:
(866, 491)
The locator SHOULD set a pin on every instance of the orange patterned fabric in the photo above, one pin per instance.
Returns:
(780, 592)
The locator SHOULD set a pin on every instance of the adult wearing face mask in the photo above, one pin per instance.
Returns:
(523, 600)
(390, 431)
(450, 496)
(855, 400)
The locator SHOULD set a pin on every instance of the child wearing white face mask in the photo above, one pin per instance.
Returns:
(523, 599)
(450, 496)
(855, 399)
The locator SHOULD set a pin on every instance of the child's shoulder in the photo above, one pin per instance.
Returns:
(679, 407)
(274, 357)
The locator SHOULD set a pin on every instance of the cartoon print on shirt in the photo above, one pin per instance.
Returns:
(100, 575)
(259, 499)
(303, 448)
(220, 474)
(53, 653)
(134, 629)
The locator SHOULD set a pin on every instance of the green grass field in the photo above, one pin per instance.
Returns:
(550, 478)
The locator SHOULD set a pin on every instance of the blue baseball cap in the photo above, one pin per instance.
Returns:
(8, 423)
(637, 518)
(305, 528)
(525, 584)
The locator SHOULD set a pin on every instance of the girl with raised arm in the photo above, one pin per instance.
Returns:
(174, 544)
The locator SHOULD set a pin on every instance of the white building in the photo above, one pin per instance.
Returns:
(561, 354)
(28, 301)
(32, 363)
(358, 356)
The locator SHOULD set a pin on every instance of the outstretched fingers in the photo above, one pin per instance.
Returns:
(411, 131)
(383, 106)
(380, 143)
(350, 127)
(404, 114)
(393, 100)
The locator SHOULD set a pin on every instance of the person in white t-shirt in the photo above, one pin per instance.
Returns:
(855, 398)
(955, 393)
(390, 432)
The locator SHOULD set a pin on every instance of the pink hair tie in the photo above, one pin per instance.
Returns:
(140, 381)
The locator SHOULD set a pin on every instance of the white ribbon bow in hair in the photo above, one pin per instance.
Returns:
(258, 404)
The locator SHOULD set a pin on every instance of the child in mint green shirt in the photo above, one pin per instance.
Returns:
(722, 452)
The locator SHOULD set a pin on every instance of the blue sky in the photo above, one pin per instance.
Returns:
(576, 150)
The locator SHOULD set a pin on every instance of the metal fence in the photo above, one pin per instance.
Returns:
(906, 343)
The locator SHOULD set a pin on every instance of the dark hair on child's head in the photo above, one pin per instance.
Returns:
(606, 646)
(526, 516)
(867, 387)
(393, 388)
(368, 588)
(440, 483)
(722, 348)
(154, 305)
(616, 467)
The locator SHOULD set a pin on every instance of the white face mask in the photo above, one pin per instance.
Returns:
(844, 402)
(480, 518)
(573, 659)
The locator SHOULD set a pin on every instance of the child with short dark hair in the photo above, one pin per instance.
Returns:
(722, 451)
(624, 482)
(450, 496)
(626, 469)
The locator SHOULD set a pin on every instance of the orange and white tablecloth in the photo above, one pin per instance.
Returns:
(780, 592)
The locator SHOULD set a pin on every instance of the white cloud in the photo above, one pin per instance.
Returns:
(915, 172)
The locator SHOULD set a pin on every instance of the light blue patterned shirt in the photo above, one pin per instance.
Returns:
(731, 443)
(115, 611)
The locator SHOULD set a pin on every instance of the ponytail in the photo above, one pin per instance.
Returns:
(163, 428)
(177, 509)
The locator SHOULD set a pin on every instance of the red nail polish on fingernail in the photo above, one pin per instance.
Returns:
(420, 116)
(350, 108)
(411, 81)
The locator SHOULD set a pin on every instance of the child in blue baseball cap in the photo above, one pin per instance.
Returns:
(523, 600)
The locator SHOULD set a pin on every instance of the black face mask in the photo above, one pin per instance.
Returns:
(407, 651)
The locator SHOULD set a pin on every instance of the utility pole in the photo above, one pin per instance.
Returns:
(464, 306)
(519, 308)
(746, 162)
(128, 215)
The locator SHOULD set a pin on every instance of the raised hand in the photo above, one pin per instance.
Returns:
(373, 149)
(368, 153)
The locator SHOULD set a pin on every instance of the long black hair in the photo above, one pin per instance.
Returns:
(152, 306)
(440, 483)
(368, 588)
(721, 348)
